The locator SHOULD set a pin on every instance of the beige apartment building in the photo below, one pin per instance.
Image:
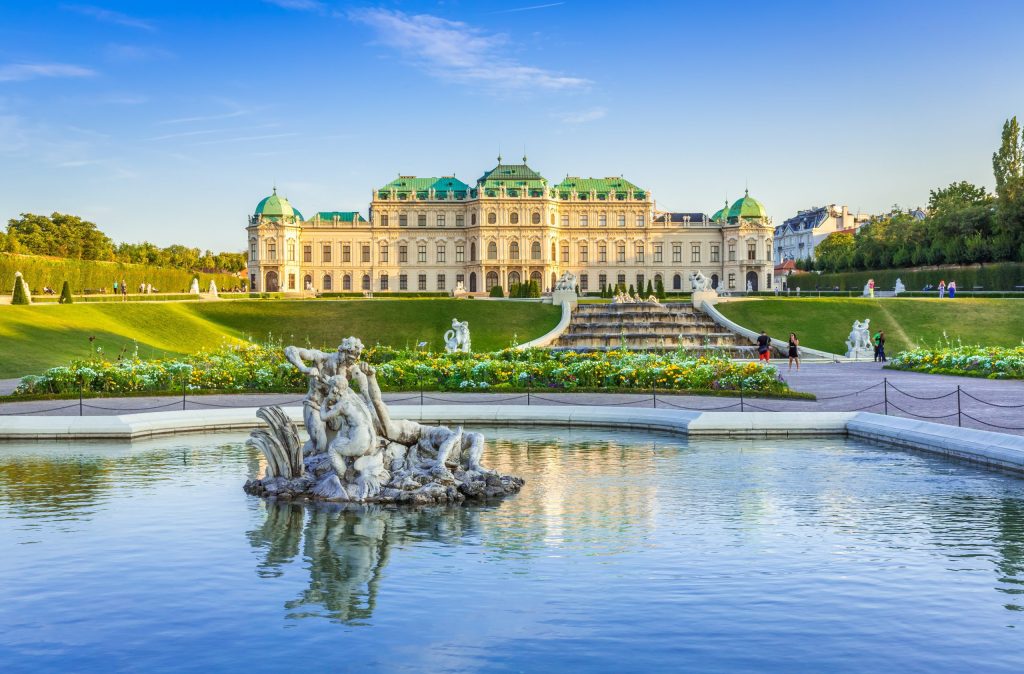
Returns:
(425, 235)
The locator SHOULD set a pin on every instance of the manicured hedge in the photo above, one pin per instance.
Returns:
(996, 276)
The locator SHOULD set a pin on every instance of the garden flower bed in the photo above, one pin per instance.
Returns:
(262, 367)
(971, 361)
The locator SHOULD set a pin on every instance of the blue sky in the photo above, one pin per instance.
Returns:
(168, 121)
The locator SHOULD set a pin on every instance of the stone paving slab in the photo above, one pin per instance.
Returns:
(841, 387)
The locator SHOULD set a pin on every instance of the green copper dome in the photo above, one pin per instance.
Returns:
(722, 214)
(748, 208)
(277, 208)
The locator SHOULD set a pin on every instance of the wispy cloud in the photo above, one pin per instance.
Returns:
(527, 9)
(206, 118)
(582, 116)
(457, 52)
(16, 72)
(134, 52)
(300, 5)
(110, 16)
(209, 132)
(242, 139)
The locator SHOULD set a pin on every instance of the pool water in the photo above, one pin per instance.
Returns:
(625, 551)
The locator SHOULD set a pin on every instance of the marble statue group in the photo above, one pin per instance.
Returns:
(456, 340)
(858, 344)
(356, 452)
(699, 282)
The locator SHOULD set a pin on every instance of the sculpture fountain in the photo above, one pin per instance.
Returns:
(356, 452)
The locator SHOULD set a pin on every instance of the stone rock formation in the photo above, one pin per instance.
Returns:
(357, 453)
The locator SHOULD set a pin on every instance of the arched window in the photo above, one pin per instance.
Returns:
(513, 250)
(535, 218)
(552, 218)
(535, 276)
(307, 282)
(472, 218)
(513, 218)
(714, 281)
(657, 280)
(492, 218)
(346, 282)
(366, 281)
(513, 278)
(472, 252)
(327, 282)
(535, 250)
(677, 282)
(553, 255)
(491, 280)
(492, 252)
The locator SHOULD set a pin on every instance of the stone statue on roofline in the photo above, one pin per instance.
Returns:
(356, 452)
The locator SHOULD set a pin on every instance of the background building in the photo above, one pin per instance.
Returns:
(511, 226)
(797, 237)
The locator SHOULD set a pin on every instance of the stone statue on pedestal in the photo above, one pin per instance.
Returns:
(858, 344)
(457, 339)
(194, 289)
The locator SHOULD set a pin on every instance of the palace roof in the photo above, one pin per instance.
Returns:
(680, 217)
(406, 185)
(342, 216)
(748, 208)
(276, 207)
(602, 187)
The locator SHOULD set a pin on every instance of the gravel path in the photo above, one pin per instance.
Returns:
(839, 387)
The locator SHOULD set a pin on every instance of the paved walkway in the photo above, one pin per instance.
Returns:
(839, 387)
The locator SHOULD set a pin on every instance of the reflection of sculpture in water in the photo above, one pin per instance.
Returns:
(346, 548)
(357, 452)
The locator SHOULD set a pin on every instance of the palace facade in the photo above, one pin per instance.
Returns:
(511, 226)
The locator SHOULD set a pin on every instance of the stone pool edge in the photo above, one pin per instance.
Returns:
(995, 450)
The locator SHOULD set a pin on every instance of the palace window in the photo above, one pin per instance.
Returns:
(366, 253)
(639, 283)
(422, 282)
(583, 252)
(383, 220)
(535, 218)
(640, 220)
(553, 255)
(602, 280)
(440, 220)
(291, 281)
(460, 220)
(622, 220)
(677, 282)
(366, 281)
(677, 252)
(327, 282)
(732, 281)
(751, 250)
(767, 280)
(441, 252)
(383, 253)
(535, 250)
(472, 251)
(272, 251)
(403, 281)
(513, 218)
(403, 220)
(695, 252)
(472, 218)
(565, 220)
(732, 253)
(716, 255)
(621, 280)
(565, 252)
(327, 252)
(460, 253)
(657, 252)
(383, 281)
(639, 253)
(252, 251)
(602, 252)
(602, 220)
(584, 220)
(620, 252)
(492, 251)
(346, 282)
(403, 253)
(513, 250)
(346, 253)
(440, 282)
(491, 280)
(291, 251)
(421, 252)
(492, 218)
(552, 218)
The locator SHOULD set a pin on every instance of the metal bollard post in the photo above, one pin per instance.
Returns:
(527, 397)
(183, 382)
(885, 394)
(958, 420)
(81, 385)
(741, 396)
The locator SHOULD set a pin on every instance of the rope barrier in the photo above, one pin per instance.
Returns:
(847, 395)
(986, 402)
(52, 409)
(921, 416)
(456, 400)
(989, 423)
(911, 395)
(662, 401)
(595, 404)
(129, 409)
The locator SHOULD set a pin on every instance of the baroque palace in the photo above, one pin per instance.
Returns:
(512, 226)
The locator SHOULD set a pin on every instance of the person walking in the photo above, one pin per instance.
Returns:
(942, 289)
(794, 351)
(764, 347)
(880, 346)
(124, 290)
(874, 341)
(115, 287)
(952, 289)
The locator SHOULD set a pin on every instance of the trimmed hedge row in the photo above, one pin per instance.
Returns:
(996, 276)
(94, 275)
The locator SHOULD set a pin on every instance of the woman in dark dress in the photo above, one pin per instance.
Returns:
(794, 352)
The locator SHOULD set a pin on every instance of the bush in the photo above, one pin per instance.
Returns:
(65, 294)
(20, 294)
(496, 291)
(995, 276)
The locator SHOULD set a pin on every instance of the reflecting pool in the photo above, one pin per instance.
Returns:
(625, 551)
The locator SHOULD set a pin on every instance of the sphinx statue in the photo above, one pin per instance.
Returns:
(355, 451)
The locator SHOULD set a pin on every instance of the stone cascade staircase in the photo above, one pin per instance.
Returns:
(648, 327)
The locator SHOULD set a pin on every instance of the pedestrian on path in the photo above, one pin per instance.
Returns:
(952, 289)
(942, 289)
(794, 351)
(124, 290)
(764, 347)
(880, 346)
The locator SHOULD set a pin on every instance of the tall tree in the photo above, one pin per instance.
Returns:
(1008, 167)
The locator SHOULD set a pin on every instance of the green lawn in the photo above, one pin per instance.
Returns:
(825, 323)
(34, 338)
